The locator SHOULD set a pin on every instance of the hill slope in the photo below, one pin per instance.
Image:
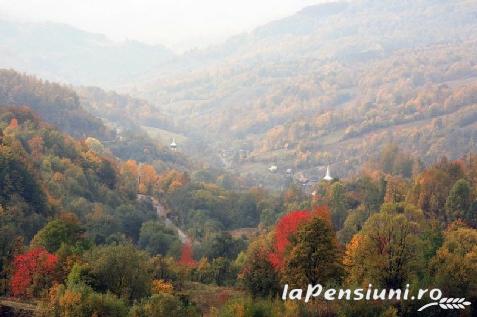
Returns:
(333, 83)
(56, 104)
(63, 53)
(89, 115)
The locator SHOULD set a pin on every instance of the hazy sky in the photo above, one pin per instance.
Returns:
(178, 24)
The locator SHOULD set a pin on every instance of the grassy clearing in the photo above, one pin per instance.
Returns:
(164, 135)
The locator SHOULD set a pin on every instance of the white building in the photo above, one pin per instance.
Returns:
(328, 175)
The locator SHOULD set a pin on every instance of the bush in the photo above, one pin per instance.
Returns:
(163, 305)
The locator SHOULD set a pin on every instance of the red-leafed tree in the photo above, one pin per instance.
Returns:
(13, 124)
(186, 255)
(32, 272)
(286, 226)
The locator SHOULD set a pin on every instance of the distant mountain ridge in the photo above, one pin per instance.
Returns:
(332, 84)
(347, 30)
(63, 53)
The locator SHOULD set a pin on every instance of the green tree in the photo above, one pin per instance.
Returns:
(58, 232)
(313, 255)
(370, 192)
(101, 224)
(10, 244)
(471, 217)
(221, 244)
(221, 271)
(459, 200)
(454, 266)
(389, 249)
(353, 224)
(337, 204)
(155, 238)
(107, 173)
(258, 274)
(120, 269)
(17, 181)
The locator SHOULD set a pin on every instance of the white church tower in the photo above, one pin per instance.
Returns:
(173, 145)
(328, 176)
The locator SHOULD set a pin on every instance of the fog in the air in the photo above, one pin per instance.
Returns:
(177, 24)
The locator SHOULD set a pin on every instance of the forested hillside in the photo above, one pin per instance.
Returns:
(332, 84)
(77, 239)
(122, 110)
(74, 219)
(56, 104)
(93, 115)
(46, 173)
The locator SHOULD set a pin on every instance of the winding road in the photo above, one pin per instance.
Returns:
(161, 212)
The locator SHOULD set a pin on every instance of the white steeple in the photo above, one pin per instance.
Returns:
(173, 145)
(328, 176)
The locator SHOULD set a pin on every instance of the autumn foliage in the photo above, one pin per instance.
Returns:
(13, 124)
(286, 226)
(161, 286)
(30, 268)
(186, 256)
(172, 180)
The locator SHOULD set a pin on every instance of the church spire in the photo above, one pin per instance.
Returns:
(328, 176)
(173, 145)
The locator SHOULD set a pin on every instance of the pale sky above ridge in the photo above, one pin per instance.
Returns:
(177, 24)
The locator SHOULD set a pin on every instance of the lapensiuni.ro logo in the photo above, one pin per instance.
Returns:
(374, 294)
